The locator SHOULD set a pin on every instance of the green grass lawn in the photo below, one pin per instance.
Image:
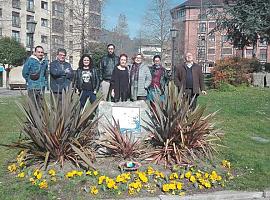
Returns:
(243, 114)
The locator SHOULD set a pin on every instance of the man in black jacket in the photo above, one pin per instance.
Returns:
(61, 74)
(107, 65)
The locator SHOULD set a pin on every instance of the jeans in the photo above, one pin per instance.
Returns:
(36, 96)
(190, 95)
(87, 95)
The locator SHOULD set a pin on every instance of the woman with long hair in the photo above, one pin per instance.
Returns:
(140, 78)
(87, 80)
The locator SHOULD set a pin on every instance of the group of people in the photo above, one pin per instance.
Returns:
(117, 80)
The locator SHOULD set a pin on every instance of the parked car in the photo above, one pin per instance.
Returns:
(15, 78)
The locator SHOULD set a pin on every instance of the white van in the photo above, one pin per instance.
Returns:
(16, 79)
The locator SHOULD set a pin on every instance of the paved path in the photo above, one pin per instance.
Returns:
(220, 195)
(8, 93)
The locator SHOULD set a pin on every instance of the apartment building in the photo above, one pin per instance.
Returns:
(59, 24)
(194, 25)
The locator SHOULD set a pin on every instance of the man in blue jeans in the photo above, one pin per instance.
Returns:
(35, 72)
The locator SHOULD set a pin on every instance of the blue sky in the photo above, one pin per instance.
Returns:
(133, 9)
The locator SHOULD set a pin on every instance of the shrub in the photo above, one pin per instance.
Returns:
(234, 71)
(57, 132)
(178, 134)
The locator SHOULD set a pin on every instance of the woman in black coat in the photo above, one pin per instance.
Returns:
(87, 80)
(120, 80)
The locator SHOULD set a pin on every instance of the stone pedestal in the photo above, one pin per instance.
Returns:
(258, 79)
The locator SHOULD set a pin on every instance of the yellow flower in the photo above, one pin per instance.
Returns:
(21, 175)
(172, 186)
(79, 173)
(219, 178)
(39, 176)
(131, 191)
(43, 184)
(101, 179)
(119, 179)
(207, 184)
(206, 175)
(179, 186)
(173, 176)
(200, 187)
(111, 184)
(165, 187)
(198, 175)
(36, 172)
(52, 172)
(226, 164)
(188, 174)
(93, 190)
(88, 173)
(192, 179)
(22, 164)
(143, 177)
(12, 167)
(95, 173)
(150, 170)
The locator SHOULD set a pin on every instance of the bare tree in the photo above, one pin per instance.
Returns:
(157, 20)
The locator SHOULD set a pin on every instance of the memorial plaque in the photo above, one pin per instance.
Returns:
(128, 117)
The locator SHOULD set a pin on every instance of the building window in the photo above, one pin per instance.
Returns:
(16, 19)
(29, 18)
(211, 51)
(44, 5)
(263, 42)
(58, 25)
(263, 55)
(212, 25)
(16, 4)
(201, 40)
(211, 38)
(1, 34)
(180, 14)
(202, 27)
(44, 22)
(1, 12)
(70, 45)
(71, 13)
(30, 5)
(201, 53)
(57, 9)
(16, 35)
(225, 38)
(227, 51)
(249, 52)
(29, 40)
(44, 39)
(71, 28)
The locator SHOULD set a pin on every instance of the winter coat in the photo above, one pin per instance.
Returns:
(144, 81)
(94, 78)
(107, 65)
(197, 77)
(34, 66)
(59, 79)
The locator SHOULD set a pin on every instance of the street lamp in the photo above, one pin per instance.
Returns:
(31, 25)
(173, 35)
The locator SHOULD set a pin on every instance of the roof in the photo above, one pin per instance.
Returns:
(197, 3)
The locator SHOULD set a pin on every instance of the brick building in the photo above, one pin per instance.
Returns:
(193, 36)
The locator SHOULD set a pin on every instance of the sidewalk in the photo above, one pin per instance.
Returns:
(220, 195)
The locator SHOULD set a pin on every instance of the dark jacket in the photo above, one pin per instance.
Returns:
(107, 65)
(59, 78)
(35, 66)
(94, 79)
(197, 77)
(164, 77)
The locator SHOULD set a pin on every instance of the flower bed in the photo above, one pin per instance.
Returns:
(180, 181)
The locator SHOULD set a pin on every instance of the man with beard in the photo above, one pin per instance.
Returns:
(107, 65)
